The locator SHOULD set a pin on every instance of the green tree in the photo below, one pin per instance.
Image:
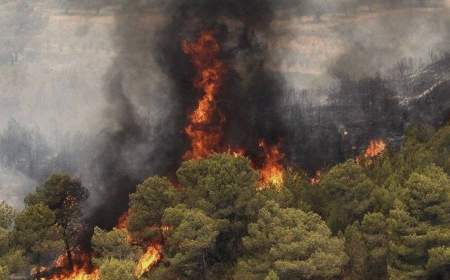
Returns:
(355, 248)
(440, 148)
(224, 187)
(374, 229)
(4, 273)
(366, 244)
(419, 226)
(439, 262)
(14, 260)
(36, 232)
(6, 219)
(272, 276)
(11, 258)
(346, 193)
(114, 269)
(292, 243)
(147, 207)
(190, 242)
(427, 195)
(7, 215)
(413, 155)
(407, 242)
(113, 244)
(63, 195)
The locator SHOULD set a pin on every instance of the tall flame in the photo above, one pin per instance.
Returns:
(205, 123)
(151, 257)
(272, 169)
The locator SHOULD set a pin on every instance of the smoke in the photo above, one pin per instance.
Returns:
(14, 186)
(348, 72)
(358, 43)
(151, 93)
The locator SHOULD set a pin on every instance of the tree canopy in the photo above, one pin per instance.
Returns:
(383, 218)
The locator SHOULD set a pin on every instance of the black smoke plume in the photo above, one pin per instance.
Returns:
(137, 147)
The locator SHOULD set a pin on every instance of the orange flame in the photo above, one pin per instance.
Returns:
(272, 170)
(78, 274)
(205, 123)
(376, 147)
(122, 223)
(316, 179)
(151, 257)
(82, 270)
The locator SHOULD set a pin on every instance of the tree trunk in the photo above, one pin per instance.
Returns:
(69, 253)
(204, 265)
(161, 233)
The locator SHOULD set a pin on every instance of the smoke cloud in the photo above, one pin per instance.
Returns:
(151, 92)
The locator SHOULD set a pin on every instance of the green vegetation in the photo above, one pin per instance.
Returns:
(382, 218)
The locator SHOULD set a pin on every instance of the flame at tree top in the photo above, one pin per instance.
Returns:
(272, 169)
(376, 147)
(122, 222)
(205, 123)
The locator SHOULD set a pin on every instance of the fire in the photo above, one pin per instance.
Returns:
(205, 123)
(376, 147)
(236, 152)
(153, 253)
(272, 170)
(151, 257)
(316, 179)
(122, 223)
(78, 274)
(205, 126)
(82, 269)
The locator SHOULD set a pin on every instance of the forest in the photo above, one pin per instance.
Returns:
(381, 217)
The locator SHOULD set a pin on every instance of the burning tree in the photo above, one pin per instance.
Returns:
(147, 206)
(115, 256)
(63, 196)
